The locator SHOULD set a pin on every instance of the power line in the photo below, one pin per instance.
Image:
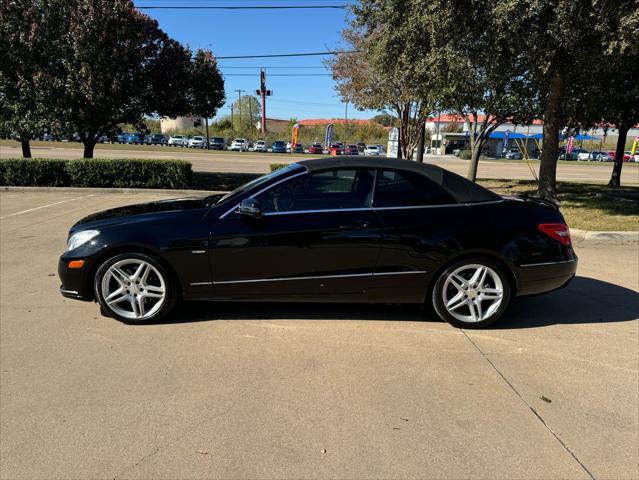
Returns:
(280, 75)
(333, 52)
(292, 67)
(243, 7)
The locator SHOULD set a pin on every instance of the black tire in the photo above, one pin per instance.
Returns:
(170, 295)
(437, 296)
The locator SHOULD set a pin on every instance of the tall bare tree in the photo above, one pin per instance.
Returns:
(366, 86)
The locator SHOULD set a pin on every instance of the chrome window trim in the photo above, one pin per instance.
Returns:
(328, 210)
(318, 277)
(333, 210)
(547, 263)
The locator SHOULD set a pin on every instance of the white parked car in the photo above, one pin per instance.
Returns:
(239, 145)
(196, 142)
(583, 155)
(374, 150)
(259, 146)
(177, 141)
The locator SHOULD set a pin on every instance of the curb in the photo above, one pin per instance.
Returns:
(605, 237)
(199, 193)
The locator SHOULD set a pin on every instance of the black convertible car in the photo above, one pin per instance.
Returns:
(330, 230)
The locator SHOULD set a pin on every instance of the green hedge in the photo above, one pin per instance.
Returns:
(277, 166)
(124, 173)
(465, 154)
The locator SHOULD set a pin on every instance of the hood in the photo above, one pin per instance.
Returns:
(133, 212)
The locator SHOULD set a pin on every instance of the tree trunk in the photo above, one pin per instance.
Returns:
(615, 178)
(89, 144)
(208, 147)
(475, 153)
(552, 123)
(421, 138)
(26, 148)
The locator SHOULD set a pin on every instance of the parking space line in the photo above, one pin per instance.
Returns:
(48, 205)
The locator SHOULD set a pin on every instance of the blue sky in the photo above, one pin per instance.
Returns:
(254, 32)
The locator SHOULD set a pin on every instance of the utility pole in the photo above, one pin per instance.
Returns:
(439, 140)
(263, 92)
(232, 128)
(239, 104)
(345, 123)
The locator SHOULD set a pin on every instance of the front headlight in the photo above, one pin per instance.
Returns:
(80, 238)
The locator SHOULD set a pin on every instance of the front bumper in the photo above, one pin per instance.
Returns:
(544, 277)
(76, 282)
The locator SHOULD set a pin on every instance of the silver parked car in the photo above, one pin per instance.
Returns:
(177, 141)
(514, 154)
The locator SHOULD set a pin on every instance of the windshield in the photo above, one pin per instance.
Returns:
(253, 183)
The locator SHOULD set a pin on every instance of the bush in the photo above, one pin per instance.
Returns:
(123, 173)
(277, 166)
(465, 154)
(34, 172)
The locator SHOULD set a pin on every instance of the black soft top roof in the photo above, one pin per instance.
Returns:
(462, 189)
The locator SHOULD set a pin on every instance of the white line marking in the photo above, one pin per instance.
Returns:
(46, 206)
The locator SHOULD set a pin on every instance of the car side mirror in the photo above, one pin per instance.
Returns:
(249, 207)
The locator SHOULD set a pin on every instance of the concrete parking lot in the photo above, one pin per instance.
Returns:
(309, 391)
(249, 162)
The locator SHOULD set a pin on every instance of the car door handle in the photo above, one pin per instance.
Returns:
(355, 226)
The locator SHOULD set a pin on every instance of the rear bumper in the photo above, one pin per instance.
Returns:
(544, 277)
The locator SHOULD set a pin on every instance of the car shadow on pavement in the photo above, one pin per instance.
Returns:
(584, 300)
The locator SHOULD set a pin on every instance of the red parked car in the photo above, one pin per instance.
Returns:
(351, 150)
(316, 148)
(626, 155)
(336, 149)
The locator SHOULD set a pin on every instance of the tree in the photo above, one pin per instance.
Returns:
(361, 81)
(206, 87)
(556, 45)
(246, 113)
(385, 120)
(455, 52)
(119, 66)
(30, 70)
(618, 103)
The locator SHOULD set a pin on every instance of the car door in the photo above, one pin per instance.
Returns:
(417, 215)
(317, 238)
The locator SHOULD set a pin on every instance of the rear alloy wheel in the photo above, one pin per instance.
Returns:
(134, 288)
(472, 293)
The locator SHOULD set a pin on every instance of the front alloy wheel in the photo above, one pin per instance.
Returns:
(134, 288)
(471, 294)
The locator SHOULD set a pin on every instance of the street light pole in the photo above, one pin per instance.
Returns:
(239, 104)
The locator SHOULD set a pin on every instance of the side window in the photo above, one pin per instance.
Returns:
(402, 189)
(333, 189)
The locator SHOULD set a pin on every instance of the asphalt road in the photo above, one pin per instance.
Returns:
(309, 391)
(248, 162)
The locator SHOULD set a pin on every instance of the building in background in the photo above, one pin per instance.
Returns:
(180, 124)
(274, 125)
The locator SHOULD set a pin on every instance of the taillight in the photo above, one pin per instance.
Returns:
(558, 231)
